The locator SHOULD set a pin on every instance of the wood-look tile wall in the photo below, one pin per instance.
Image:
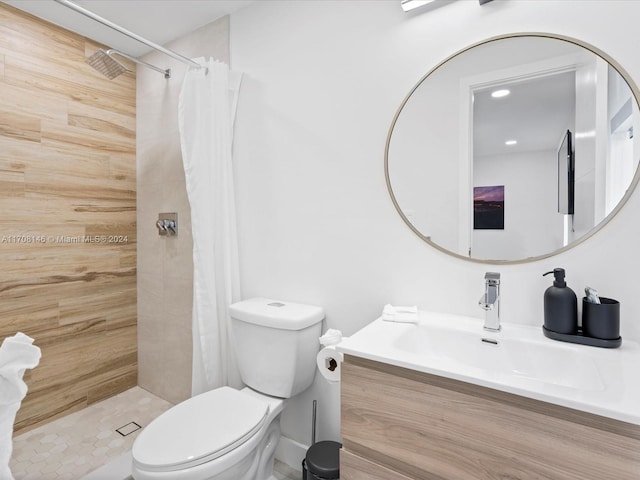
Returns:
(67, 216)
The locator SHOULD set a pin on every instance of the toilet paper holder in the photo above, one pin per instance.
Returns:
(330, 364)
(328, 358)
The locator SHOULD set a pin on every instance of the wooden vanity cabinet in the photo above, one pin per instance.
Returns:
(400, 424)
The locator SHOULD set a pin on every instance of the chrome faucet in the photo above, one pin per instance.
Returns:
(490, 301)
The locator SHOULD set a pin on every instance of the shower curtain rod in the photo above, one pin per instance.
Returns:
(107, 23)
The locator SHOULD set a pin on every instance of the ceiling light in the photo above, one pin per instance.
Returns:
(511, 142)
(500, 93)
(408, 5)
(589, 134)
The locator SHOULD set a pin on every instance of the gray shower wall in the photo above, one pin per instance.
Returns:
(165, 266)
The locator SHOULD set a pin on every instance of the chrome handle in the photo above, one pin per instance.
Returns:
(167, 224)
(485, 304)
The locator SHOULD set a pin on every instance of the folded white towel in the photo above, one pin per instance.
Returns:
(331, 337)
(400, 314)
(16, 355)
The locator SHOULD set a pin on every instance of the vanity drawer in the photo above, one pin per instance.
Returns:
(429, 427)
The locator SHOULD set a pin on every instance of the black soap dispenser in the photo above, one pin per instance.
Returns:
(560, 306)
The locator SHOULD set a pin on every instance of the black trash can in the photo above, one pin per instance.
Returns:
(322, 461)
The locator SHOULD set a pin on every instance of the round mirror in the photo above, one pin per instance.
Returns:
(514, 149)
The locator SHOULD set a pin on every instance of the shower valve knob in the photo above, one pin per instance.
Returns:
(167, 224)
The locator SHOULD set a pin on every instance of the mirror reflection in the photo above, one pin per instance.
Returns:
(514, 149)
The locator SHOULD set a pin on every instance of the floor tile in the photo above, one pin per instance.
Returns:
(85, 444)
(74, 445)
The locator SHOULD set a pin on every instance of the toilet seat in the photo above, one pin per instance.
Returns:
(201, 428)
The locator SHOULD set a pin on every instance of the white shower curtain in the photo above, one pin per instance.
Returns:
(206, 114)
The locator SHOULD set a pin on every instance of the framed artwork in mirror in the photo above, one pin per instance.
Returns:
(488, 208)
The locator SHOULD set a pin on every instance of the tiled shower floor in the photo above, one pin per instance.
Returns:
(73, 446)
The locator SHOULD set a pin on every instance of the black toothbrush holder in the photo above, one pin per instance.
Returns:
(601, 320)
(600, 325)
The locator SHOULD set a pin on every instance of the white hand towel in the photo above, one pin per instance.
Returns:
(16, 355)
(400, 314)
(331, 337)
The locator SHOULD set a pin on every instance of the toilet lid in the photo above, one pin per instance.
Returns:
(199, 430)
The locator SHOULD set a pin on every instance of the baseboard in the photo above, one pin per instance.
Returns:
(291, 452)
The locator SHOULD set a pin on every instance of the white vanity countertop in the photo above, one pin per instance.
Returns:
(603, 381)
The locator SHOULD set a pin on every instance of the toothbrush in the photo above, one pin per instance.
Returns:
(592, 295)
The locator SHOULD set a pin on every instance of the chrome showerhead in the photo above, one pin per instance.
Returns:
(104, 63)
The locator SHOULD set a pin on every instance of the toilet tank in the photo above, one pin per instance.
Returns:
(276, 344)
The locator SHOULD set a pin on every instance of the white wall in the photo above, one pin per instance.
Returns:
(323, 81)
(621, 147)
(532, 225)
(425, 163)
(587, 145)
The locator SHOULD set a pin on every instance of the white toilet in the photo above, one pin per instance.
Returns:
(228, 434)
